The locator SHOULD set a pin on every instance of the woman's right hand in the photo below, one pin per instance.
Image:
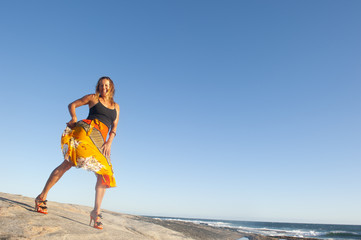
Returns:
(71, 123)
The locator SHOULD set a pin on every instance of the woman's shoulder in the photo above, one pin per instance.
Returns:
(116, 106)
(90, 96)
(93, 95)
(91, 99)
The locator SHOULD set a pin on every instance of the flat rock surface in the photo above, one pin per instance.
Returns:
(18, 220)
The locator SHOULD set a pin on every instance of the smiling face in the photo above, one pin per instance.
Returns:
(105, 88)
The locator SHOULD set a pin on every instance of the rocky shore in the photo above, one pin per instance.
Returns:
(68, 221)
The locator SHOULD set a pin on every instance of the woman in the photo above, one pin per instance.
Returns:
(84, 145)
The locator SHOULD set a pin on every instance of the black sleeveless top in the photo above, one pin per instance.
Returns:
(103, 114)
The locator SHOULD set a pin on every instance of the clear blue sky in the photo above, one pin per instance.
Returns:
(245, 110)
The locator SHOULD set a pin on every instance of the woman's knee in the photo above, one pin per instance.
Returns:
(99, 183)
(65, 166)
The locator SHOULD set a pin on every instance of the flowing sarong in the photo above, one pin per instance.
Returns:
(82, 147)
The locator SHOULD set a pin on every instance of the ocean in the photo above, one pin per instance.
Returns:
(321, 231)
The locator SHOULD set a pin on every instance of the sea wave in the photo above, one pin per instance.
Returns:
(280, 232)
(342, 235)
(262, 231)
(322, 231)
(208, 223)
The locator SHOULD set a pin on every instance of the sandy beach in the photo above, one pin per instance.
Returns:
(69, 221)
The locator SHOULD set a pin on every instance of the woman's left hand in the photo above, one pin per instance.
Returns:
(106, 149)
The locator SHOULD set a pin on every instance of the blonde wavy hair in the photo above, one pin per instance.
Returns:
(112, 89)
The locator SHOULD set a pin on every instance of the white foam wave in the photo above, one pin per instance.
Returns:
(263, 231)
(280, 232)
(209, 223)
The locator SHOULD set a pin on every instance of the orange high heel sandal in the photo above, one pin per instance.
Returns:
(40, 205)
(96, 219)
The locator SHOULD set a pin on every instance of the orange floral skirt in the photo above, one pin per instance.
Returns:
(82, 147)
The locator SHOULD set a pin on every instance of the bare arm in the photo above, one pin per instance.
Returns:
(112, 133)
(86, 100)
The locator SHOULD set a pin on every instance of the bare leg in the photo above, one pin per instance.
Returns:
(99, 194)
(54, 177)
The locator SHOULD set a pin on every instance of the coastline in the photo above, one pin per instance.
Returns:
(198, 231)
(69, 221)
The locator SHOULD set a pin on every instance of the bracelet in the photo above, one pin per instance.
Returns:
(114, 133)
